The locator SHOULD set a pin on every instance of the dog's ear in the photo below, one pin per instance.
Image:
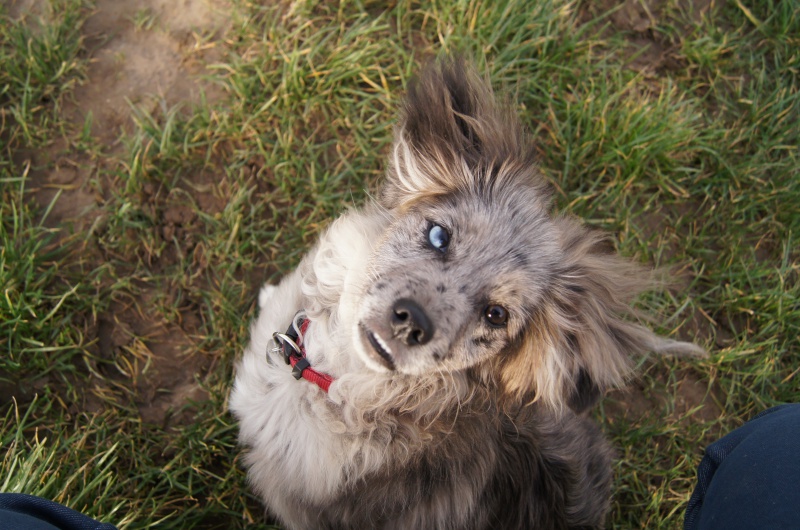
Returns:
(454, 135)
(584, 336)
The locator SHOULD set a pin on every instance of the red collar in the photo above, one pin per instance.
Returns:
(294, 353)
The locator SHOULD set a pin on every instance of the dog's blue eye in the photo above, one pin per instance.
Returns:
(438, 237)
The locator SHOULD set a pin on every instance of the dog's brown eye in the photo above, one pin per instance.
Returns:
(496, 315)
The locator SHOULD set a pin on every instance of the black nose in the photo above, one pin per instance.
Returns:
(410, 324)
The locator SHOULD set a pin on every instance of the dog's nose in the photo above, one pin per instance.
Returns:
(410, 324)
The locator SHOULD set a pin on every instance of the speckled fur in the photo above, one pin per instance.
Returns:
(479, 425)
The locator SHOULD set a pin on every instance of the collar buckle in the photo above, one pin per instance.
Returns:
(288, 345)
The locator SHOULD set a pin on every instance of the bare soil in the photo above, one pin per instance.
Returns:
(648, 51)
(145, 54)
(150, 55)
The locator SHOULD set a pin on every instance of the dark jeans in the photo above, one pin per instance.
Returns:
(26, 512)
(751, 477)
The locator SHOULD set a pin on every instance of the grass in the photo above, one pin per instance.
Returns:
(692, 163)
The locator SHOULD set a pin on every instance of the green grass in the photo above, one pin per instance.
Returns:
(692, 164)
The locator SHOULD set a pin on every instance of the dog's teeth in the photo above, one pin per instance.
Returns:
(379, 347)
(382, 344)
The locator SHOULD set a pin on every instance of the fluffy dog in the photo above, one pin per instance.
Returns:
(443, 342)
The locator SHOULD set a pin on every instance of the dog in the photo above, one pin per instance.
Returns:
(430, 362)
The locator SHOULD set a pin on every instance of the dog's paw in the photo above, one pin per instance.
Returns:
(266, 294)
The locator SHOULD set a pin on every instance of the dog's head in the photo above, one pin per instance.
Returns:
(476, 272)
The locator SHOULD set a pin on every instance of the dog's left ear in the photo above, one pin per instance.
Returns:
(582, 340)
(454, 135)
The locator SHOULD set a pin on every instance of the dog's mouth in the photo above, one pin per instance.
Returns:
(380, 350)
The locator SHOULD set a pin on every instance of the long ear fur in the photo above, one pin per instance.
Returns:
(582, 340)
(453, 135)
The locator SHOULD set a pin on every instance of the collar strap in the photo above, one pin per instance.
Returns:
(294, 353)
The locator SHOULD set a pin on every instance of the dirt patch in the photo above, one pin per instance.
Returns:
(648, 50)
(146, 54)
(684, 397)
(64, 184)
(178, 227)
(150, 55)
(155, 359)
(640, 16)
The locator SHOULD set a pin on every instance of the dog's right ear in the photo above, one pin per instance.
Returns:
(584, 336)
(453, 135)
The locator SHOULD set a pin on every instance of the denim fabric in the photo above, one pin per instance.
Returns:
(750, 479)
(26, 512)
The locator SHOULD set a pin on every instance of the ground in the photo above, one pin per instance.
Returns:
(143, 54)
(201, 145)
(153, 53)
